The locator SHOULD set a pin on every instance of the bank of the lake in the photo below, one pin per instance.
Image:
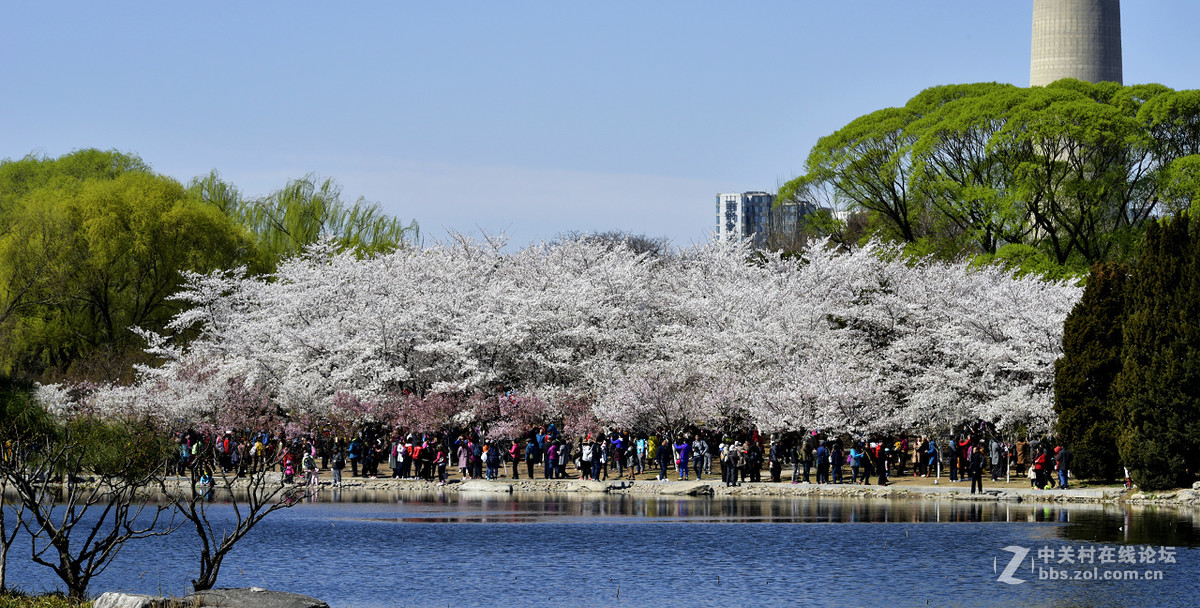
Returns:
(906, 488)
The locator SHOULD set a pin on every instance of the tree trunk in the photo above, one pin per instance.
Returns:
(210, 567)
(76, 587)
(3, 563)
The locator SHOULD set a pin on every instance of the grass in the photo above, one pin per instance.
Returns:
(12, 598)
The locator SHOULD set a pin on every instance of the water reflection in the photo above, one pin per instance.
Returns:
(611, 550)
(1087, 522)
(1113, 523)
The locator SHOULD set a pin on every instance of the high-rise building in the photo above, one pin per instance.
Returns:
(743, 215)
(754, 215)
(1078, 39)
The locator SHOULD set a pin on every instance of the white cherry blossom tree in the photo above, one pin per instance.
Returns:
(866, 341)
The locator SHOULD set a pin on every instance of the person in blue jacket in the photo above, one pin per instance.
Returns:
(684, 452)
(932, 456)
(352, 454)
(822, 463)
(856, 457)
(532, 456)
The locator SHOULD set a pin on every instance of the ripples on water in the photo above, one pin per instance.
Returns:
(431, 549)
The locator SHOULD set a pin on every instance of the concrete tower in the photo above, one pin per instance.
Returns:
(1075, 39)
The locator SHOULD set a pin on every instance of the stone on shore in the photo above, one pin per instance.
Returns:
(1188, 496)
(483, 485)
(587, 485)
(113, 599)
(986, 495)
(685, 488)
(252, 597)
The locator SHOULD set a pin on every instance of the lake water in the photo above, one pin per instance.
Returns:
(406, 549)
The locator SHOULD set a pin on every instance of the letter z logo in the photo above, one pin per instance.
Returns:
(1019, 554)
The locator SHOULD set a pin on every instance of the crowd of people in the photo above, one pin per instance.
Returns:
(740, 457)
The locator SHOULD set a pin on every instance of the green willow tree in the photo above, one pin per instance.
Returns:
(1084, 173)
(967, 181)
(19, 178)
(1157, 392)
(1072, 170)
(867, 164)
(95, 244)
(295, 216)
(1181, 186)
(1084, 375)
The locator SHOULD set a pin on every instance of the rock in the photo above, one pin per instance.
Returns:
(483, 485)
(686, 488)
(128, 600)
(975, 497)
(583, 485)
(1196, 486)
(1188, 496)
(252, 597)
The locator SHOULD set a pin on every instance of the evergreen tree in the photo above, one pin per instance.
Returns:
(1157, 392)
(1083, 376)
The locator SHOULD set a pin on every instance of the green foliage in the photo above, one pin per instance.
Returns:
(1181, 186)
(116, 449)
(1083, 376)
(19, 178)
(1072, 170)
(968, 182)
(93, 244)
(1157, 392)
(22, 420)
(1024, 260)
(96, 245)
(867, 163)
(85, 445)
(295, 216)
(1173, 118)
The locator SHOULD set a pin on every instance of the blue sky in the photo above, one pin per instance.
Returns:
(528, 118)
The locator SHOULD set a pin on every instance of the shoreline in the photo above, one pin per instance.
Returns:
(1016, 491)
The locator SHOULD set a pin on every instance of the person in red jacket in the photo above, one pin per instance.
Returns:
(879, 455)
(514, 454)
(1039, 468)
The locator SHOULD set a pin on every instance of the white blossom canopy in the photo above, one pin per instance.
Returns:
(863, 342)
